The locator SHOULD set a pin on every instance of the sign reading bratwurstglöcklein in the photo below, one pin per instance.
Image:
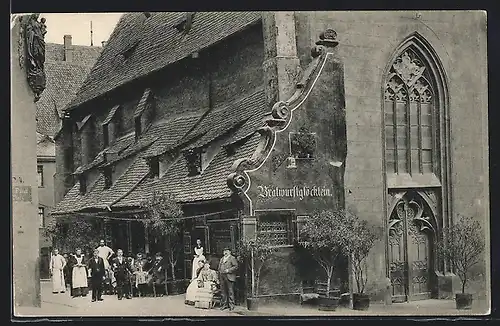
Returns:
(268, 191)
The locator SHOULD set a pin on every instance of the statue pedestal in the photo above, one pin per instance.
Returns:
(25, 222)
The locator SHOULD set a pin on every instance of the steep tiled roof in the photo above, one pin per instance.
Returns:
(98, 197)
(211, 184)
(154, 141)
(153, 43)
(246, 114)
(82, 54)
(64, 78)
(231, 115)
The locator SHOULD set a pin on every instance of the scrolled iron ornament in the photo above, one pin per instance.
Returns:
(236, 182)
(280, 110)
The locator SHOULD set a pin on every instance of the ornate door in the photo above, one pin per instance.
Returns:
(410, 250)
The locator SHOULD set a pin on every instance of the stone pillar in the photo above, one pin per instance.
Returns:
(28, 81)
(281, 65)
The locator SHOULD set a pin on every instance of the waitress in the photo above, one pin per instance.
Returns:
(198, 252)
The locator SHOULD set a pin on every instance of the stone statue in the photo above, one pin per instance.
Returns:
(35, 51)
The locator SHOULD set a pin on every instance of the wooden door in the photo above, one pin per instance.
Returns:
(410, 251)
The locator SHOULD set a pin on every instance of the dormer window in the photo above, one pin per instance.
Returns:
(108, 173)
(83, 184)
(186, 23)
(138, 127)
(105, 135)
(108, 126)
(193, 158)
(128, 52)
(143, 113)
(154, 167)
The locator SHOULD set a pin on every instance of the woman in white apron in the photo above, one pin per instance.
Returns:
(57, 263)
(79, 274)
(198, 252)
(193, 286)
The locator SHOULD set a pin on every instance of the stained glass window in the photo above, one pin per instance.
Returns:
(410, 117)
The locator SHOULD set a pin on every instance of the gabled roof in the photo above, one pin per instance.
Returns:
(64, 78)
(246, 113)
(209, 185)
(230, 115)
(150, 44)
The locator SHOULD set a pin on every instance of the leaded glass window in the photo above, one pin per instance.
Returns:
(411, 111)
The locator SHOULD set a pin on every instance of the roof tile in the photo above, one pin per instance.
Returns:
(160, 45)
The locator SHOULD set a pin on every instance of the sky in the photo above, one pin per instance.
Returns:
(78, 26)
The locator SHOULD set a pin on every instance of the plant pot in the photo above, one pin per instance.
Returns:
(252, 303)
(328, 303)
(360, 301)
(463, 300)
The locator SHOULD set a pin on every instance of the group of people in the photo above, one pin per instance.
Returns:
(126, 276)
(206, 283)
(107, 272)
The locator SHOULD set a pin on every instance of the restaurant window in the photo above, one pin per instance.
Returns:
(39, 170)
(41, 217)
(276, 227)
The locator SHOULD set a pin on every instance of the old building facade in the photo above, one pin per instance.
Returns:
(212, 109)
(66, 67)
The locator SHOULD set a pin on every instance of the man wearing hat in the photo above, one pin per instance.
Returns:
(228, 266)
(158, 275)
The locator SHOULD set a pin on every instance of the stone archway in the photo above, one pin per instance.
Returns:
(411, 247)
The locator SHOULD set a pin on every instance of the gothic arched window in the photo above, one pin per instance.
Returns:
(411, 117)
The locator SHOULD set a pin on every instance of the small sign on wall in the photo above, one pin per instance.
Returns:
(21, 193)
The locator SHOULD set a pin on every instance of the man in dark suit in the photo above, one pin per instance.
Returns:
(122, 270)
(97, 270)
(228, 266)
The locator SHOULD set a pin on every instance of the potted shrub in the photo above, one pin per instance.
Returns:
(162, 214)
(360, 238)
(323, 235)
(462, 246)
(256, 252)
(73, 232)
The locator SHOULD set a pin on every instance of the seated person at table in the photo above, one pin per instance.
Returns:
(193, 286)
(208, 279)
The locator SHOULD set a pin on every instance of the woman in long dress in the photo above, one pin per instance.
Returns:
(193, 286)
(198, 252)
(57, 264)
(208, 279)
(79, 275)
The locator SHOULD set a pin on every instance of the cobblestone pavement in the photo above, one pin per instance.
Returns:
(169, 306)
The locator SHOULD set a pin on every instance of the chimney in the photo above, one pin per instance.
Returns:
(68, 48)
(103, 43)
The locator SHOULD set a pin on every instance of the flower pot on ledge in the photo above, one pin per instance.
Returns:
(463, 300)
(360, 301)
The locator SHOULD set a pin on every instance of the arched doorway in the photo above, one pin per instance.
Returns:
(412, 234)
